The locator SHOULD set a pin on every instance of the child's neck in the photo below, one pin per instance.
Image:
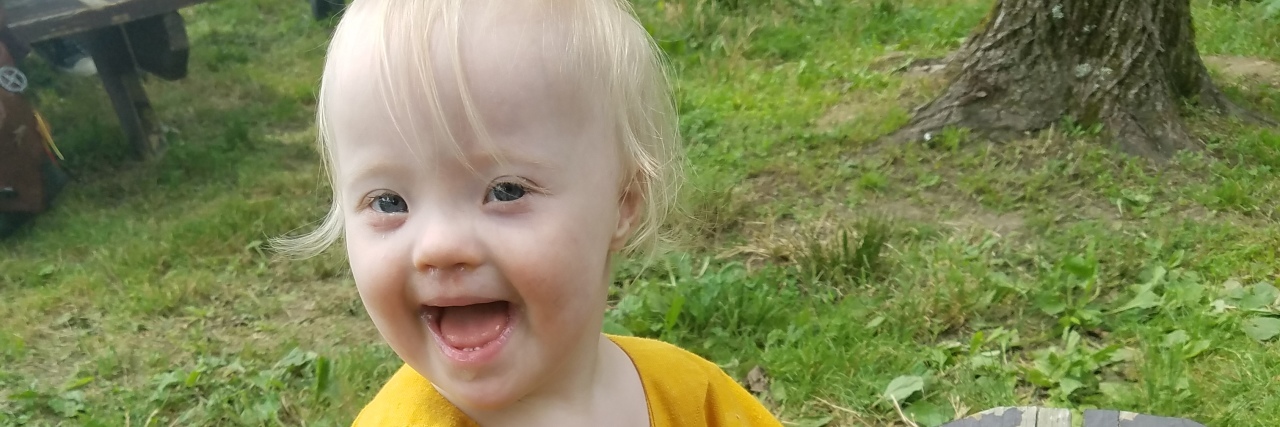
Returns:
(599, 386)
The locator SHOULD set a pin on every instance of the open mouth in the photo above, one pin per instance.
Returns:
(472, 332)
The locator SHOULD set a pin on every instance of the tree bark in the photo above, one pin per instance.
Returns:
(1128, 65)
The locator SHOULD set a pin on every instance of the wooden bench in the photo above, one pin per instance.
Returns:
(1053, 417)
(124, 37)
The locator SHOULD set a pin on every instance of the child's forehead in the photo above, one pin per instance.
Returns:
(504, 66)
(487, 48)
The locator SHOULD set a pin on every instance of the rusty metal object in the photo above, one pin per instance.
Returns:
(29, 173)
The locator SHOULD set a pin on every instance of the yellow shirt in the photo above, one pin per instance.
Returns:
(682, 389)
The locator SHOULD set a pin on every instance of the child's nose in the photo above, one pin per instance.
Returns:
(445, 246)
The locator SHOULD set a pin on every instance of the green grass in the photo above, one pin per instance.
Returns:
(1047, 271)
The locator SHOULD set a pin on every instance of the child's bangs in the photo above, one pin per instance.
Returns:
(398, 66)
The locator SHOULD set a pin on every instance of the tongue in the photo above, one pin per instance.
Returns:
(474, 325)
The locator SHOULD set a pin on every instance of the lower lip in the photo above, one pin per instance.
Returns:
(480, 356)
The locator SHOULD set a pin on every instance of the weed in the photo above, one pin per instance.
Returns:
(840, 263)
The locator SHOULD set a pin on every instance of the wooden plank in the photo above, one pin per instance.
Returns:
(1029, 416)
(1053, 417)
(998, 417)
(1097, 418)
(25, 10)
(35, 20)
(1130, 419)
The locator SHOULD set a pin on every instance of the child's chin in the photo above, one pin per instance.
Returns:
(487, 391)
(484, 397)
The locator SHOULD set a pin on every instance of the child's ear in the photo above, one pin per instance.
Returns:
(628, 214)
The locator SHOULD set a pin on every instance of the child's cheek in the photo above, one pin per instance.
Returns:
(564, 269)
(384, 294)
(374, 276)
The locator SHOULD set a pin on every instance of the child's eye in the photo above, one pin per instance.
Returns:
(389, 203)
(505, 192)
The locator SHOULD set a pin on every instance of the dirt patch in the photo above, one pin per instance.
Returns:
(920, 78)
(780, 238)
(769, 185)
(952, 212)
(1001, 224)
(1245, 68)
(844, 112)
(908, 65)
(906, 210)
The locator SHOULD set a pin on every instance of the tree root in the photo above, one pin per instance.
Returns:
(1136, 128)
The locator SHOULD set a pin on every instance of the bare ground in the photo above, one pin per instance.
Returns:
(1245, 69)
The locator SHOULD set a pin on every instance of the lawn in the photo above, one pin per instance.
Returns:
(818, 264)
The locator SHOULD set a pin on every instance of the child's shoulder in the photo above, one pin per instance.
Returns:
(408, 399)
(649, 349)
(682, 387)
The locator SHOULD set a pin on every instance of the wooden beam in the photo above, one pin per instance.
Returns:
(36, 20)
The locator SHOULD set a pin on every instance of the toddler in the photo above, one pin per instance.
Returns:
(488, 161)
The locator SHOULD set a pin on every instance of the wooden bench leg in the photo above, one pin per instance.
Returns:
(123, 82)
(159, 45)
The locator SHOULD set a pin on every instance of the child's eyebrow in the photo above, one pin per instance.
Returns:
(487, 158)
(373, 170)
(478, 161)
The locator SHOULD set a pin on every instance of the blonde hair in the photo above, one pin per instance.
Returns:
(602, 37)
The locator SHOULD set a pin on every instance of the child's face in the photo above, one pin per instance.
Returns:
(488, 277)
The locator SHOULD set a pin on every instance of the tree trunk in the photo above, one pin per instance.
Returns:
(1127, 65)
